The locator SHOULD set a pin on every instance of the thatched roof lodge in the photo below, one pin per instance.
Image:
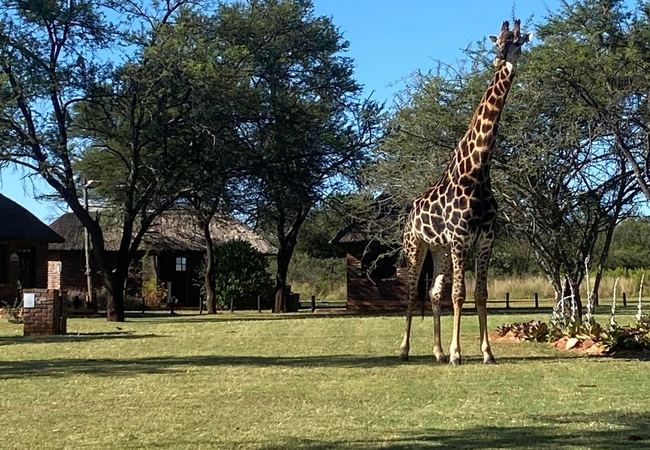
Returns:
(175, 230)
(23, 250)
(170, 251)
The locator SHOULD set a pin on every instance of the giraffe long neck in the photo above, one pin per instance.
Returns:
(474, 151)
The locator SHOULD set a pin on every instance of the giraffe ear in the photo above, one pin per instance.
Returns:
(493, 38)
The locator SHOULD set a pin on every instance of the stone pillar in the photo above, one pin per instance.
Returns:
(54, 275)
(46, 314)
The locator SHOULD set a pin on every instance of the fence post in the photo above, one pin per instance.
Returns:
(143, 304)
(313, 303)
(624, 298)
(259, 304)
(170, 300)
(536, 300)
(232, 304)
(200, 305)
(507, 300)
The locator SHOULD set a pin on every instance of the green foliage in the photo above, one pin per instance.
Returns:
(534, 330)
(613, 338)
(323, 277)
(630, 245)
(241, 276)
(13, 313)
(154, 294)
(322, 224)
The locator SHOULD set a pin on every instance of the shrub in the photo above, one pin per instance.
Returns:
(154, 294)
(241, 276)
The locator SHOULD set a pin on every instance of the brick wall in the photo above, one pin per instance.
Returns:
(73, 270)
(48, 316)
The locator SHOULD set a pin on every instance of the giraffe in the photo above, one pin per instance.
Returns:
(459, 211)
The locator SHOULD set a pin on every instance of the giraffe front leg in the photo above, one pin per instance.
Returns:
(458, 297)
(414, 252)
(480, 298)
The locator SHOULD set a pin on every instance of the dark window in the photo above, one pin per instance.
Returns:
(27, 263)
(379, 266)
(181, 264)
(4, 263)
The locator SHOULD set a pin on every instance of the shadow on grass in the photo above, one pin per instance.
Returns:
(226, 316)
(81, 337)
(608, 430)
(169, 364)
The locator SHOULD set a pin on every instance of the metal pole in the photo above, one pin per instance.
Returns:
(259, 304)
(313, 303)
(89, 275)
(536, 300)
(507, 300)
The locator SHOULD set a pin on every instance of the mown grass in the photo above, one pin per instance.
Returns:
(247, 380)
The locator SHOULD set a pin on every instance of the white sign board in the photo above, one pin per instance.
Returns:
(29, 300)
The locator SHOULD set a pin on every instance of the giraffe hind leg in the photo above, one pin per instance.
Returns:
(414, 252)
(480, 298)
(442, 268)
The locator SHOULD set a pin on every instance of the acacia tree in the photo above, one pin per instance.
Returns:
(46, 55)
(559, 182)
(128, 115)
(310, 130)
(572, 157)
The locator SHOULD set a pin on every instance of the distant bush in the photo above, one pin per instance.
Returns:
(130, 303)
(241, 275)
(154, 293)
(323, 277)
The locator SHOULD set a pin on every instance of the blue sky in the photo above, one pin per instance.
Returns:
(388, 40)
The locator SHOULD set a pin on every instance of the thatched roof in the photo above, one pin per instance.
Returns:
(18, 224)
(175, 230)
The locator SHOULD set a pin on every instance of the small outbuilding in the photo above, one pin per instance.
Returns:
(377, 277)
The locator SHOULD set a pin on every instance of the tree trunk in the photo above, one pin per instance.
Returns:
(114, 283)
(208, 282)
(283, 259)
(570, 287)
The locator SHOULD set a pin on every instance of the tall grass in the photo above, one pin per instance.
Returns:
(326, 279)
(526, 286)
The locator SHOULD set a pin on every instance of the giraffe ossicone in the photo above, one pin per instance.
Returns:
(459, 211)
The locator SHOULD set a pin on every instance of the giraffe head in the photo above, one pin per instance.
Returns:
(509, 43)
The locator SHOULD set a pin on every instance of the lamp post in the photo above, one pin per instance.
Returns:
(89, 275)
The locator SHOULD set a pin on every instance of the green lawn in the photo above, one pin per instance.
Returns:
(246, 380)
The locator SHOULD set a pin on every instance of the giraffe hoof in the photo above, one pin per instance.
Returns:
(404, 357)
(455, 362)
(442, 359)
(490, 361)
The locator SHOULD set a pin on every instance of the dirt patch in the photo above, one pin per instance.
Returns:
(586, 346)
(510, 336)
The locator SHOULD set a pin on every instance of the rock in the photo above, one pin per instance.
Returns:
(559, 344)
(587, 343)
(596, 350)
(572, 342)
